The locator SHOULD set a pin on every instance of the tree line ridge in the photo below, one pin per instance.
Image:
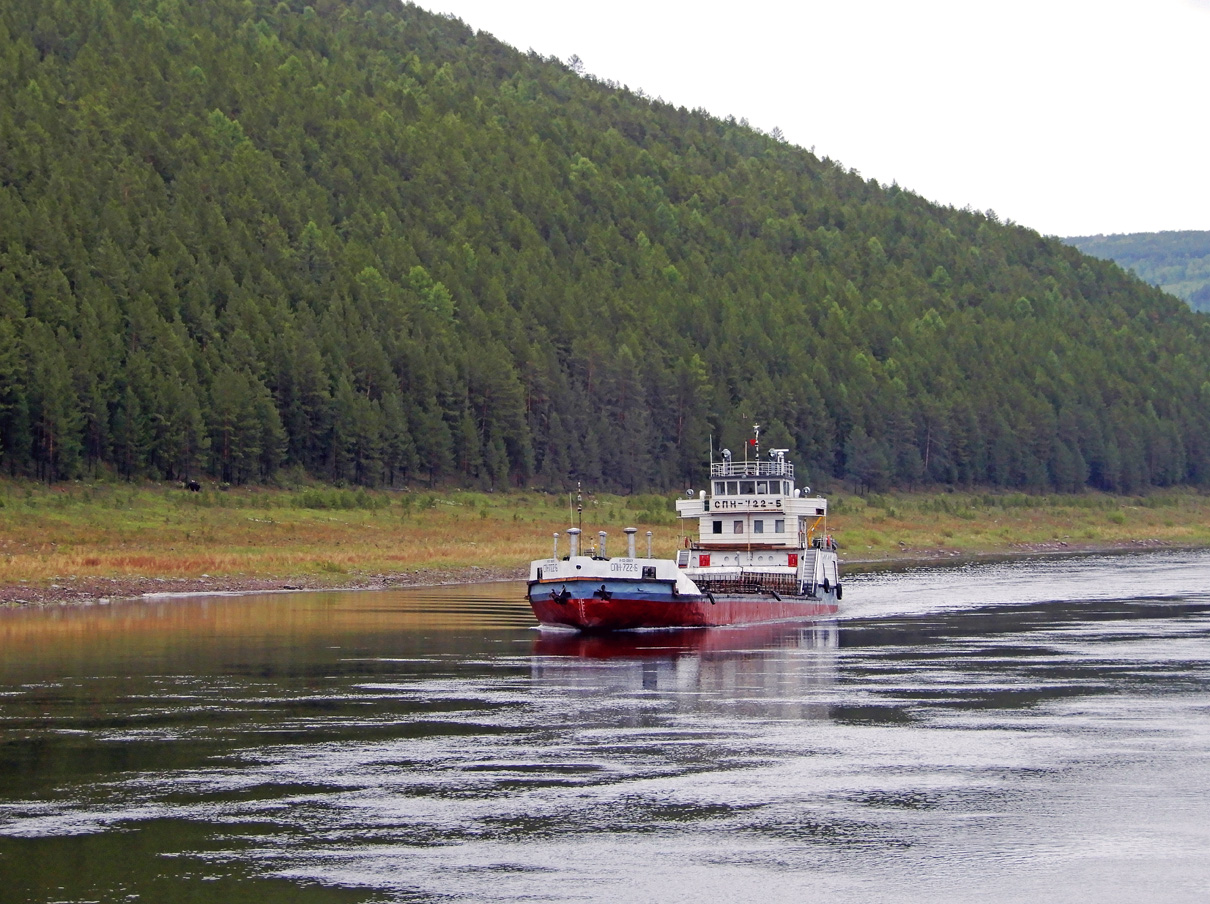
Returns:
(1178, 261)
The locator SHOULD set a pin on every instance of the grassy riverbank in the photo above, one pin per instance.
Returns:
(930, 525)
(78, 540)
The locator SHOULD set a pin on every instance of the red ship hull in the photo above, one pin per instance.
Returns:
(594, 614)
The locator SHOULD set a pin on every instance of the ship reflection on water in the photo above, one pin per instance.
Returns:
(783, 666)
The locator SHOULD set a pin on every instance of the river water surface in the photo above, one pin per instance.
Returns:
(1025, 731)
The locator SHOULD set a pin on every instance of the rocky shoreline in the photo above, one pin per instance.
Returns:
(89, 591)
(908, 555)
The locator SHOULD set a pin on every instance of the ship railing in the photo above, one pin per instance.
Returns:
(774, 468)
(749, 582)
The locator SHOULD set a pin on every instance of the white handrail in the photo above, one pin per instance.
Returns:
(752, 469)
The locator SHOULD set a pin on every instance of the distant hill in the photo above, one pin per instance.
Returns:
(353, 239)
(1177, 262)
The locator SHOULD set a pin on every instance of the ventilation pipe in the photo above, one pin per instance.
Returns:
(601, 535)
(573, 542)
(555, 555)
(630, 532)
(649, 544)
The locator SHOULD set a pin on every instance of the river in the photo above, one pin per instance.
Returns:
(1034, 730)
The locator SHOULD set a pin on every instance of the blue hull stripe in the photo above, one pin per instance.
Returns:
(653, 591)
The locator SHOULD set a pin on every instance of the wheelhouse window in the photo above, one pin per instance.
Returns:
(732, 487)
(762, 488)
(738, 527)
(747, 487)
(720, 487)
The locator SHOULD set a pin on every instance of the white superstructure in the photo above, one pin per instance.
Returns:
(755, 528)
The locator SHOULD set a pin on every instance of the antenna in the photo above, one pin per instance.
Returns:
(754, 443)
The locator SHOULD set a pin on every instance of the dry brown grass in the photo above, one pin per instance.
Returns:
(896, 526)
(114, 531)
(50, 534)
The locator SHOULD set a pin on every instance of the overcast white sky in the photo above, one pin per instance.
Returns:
(1069, 116)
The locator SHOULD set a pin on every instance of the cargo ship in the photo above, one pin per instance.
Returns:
(762, 553)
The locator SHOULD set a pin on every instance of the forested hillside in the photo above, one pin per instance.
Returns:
(1177, 262)
(245, 238)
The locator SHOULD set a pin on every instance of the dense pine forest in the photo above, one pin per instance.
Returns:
(1177, 261)
(252, 240)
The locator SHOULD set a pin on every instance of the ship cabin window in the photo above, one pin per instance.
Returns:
(762, 488)
(732, 488)
(758, 526)
(717, 527)
(739, 527)
(747, 487)
(720, 488)
(779, 526)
